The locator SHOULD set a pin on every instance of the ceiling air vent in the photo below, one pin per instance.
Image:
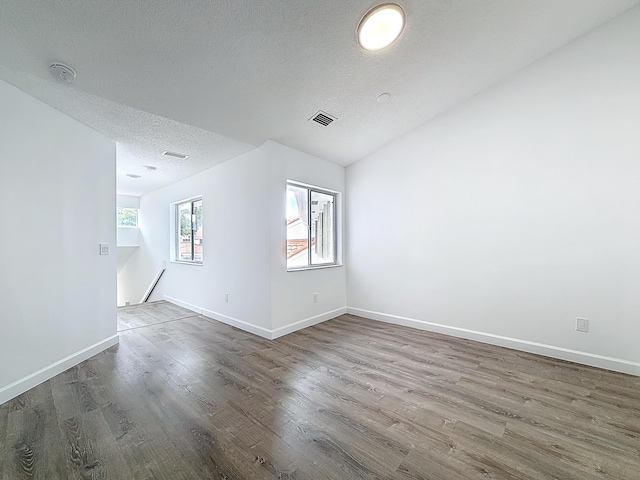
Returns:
(180, 156)
(322, 118)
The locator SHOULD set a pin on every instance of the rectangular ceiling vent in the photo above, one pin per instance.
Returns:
(322, 118)
(180, 156)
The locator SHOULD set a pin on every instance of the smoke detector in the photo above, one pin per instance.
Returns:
(63, 73)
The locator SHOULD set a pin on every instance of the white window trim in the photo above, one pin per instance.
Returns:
(337, 237)
(173, 233)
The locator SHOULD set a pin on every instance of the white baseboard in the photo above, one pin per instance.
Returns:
(255, 329)
(307, 322)
(585, 358)
(234, 322)
(182, 304)
(20, 386)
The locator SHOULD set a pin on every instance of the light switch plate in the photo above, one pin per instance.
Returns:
(104, 249)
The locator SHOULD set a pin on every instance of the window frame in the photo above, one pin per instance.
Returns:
(336, 252)
(128, 226)
(176, 236)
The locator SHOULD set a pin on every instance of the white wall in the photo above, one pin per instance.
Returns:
(506, 218)
(235, 229)
(57, 191)
(128, 201)
(128, 237)
(244, 245)
(291, 292)
(128, 241)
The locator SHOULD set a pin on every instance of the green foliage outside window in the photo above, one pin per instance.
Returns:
(127, 217)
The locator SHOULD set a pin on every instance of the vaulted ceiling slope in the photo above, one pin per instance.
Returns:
(248, 71)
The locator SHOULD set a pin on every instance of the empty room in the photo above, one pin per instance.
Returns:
(320, 239)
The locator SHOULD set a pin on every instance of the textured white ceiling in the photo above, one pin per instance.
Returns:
(141, 136)
(256, 70)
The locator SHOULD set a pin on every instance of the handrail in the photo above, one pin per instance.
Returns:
(153, 286)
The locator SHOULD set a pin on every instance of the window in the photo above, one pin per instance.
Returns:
(311, 227)
(188, 216)
(127, 217)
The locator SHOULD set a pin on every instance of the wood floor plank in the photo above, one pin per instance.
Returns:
(4, 417)
(33, 438)
(580, 457)
(153, 313)
(185, 397)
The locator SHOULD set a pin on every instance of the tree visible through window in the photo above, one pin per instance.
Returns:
(189, 237)
(127, 217)
(311, 227)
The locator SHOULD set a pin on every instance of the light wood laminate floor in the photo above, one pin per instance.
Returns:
(185, 397)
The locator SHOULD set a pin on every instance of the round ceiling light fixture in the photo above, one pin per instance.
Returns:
(381, 26)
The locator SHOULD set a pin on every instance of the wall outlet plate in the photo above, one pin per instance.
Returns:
(314, 297)
(582, 324)
(104, 249)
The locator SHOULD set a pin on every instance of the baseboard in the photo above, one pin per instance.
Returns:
(20, 386)
(182, 304)
(585, 358)
(260, 331)
(307, 322)
(234, 322)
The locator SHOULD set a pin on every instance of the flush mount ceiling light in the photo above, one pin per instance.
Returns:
(381, 26)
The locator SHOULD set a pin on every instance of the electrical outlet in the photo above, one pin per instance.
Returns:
(315, 298)
(226, 298)
(104, 249)
(582, 324)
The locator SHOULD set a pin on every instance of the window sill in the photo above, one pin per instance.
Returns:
(196, 264)
(317, 267)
